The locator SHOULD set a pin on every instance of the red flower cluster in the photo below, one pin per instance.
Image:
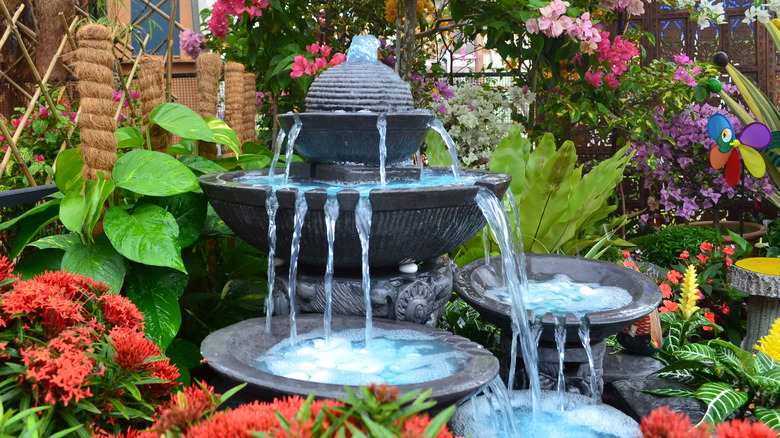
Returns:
(665, 423)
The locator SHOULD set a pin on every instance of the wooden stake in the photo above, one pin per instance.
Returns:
(126, 85)
(169, 55)
(7, 32)
(162, 13)
(12, 147)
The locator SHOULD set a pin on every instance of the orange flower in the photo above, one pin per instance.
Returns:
(684, 255)
(630, 264)
(729, 261)
(702, 258)
(711, 317)
(669, 306)
(626, 254)
(666, 290)
(384, 392)
(728, 250)
(673, 276)
(705, 247)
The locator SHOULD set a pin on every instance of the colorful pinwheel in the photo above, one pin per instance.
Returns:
(755, 136)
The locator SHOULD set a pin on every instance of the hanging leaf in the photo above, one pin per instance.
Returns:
(153, 173)
(69, 175)
(182, 121)
(189, 210)
(721, 401)
(223, 135)
(160, 307)
(148, 236)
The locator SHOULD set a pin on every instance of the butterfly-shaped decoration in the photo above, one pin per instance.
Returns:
(755, 136)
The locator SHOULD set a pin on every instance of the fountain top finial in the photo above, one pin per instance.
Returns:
(363, 49)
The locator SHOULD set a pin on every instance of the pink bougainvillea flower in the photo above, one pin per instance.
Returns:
(191, 43)
(611, 81)
(325, 50)
(299, 66)
(594, 78)
(39, 158)
(117, 96)
(337, 59)
(682, 59)
(313, 48)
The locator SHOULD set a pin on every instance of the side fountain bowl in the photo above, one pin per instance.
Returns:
(230, 351)
(408, 225)
(474, 279)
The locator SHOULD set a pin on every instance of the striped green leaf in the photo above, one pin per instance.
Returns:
(770, 379)
(764, 363)
(721, 401)
(671, 392)
(762, 106)
(683, 376)
(773, 27)
(770, 417)
(696, 352)
(744, 117)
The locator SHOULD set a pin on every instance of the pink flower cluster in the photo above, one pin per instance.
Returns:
(303, 66)
(682, 74)
(553, 21)
(191, 43)
(219, 21)
(616, 53)
(633, 7)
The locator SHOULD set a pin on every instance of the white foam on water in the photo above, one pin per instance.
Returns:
(562, 295)
(578, 419)
(396, 357)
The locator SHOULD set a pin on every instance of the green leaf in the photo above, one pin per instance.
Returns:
(223, 135)
(153, 173)
(95, 195)
(99, 261)
(200, 164)
(769, 380)
(39, 126)
(770, 417)
(149, 236)
(764, 363)
(73, 212)
(33, 224)
(763, 108)
(39, 262)
(696, 352)
(671, 392)
(160, 308)
(721, 401)
(57, 241)
(129, 137)
(184, 147)
(69, 176)
(189, 209)
(182, 121)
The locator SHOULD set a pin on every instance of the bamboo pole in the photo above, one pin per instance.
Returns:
(68, 34)
(126, 85)
(169, 55)
(12, 147)
(7, 32)
(18, 87)
(149, 13)
(163, 14)
(34, 102)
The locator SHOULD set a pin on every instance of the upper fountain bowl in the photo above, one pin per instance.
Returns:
(343, 107)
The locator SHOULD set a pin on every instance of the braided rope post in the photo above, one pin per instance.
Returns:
(234, 101)
(151, 72)
(95, 87)
(209, 68)
(250, 127)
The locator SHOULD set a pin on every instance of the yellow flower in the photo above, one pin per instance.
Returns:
(391, 8)
(690, 293)
(770, 344)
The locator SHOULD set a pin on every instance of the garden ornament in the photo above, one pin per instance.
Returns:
(755, 136)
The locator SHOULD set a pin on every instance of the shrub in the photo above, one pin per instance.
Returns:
(663, 247)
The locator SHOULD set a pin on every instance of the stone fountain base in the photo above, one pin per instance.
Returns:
(414, 297)
(231, 350)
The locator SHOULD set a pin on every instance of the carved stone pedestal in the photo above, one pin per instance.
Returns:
(760, 277)
(418, 297)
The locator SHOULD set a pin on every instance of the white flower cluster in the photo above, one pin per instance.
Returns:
(706, 13)
(761, 12)
(473, 117)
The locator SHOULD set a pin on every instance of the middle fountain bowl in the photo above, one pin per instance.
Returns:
(408, 225)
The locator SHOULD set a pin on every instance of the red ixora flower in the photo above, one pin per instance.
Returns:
(186, 408)
(738, 428)
(415, 426)
(58, 375)
(665, 423)
(132, 349)
(121, 312)
(6, 269)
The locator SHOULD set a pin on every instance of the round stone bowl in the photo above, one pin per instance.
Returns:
(230, 350)
(408, 224)
(472, 280)
(341, 137)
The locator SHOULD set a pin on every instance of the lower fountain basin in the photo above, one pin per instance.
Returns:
(579, 418)
(232, 350)
(473, 280)
(408, 225)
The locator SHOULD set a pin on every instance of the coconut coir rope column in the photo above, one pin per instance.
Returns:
(151, 72)
(250, 129)
(234, 101)
(209, 66)
(95, 72)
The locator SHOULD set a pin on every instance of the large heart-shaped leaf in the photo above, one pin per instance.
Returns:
(39, 262)
(148, 236)
(153, 173)
(129, 137)
(69, 176)
(721, 401)
(200, 164)
(223, 134)
(160, 307)
(189, 210)
(182, 121)
(99, 261)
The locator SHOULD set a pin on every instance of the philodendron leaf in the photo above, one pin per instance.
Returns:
(148, 236)
(153, 173)
(57, 241)
(159, 306)
(129, 137)
(223, 135)
(73, 211)
(99, 261)
(721, 401)
(182, 121)
(770, 417)
(39, 262)
(189, 210)
(69, 176)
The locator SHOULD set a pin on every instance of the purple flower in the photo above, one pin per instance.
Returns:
(415, 78)
(442, 109)
(117, 96)
(191, 43)
(134, 95)
(444, 90)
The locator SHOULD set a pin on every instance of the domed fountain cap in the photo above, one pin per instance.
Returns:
(360, 84)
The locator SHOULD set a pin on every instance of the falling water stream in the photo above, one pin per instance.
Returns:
(331, 215)
(363, 215)
(294, 131)
(381, 126)
(437, 126)
(301, 207)
(584, 334)
(560, 343)
(271, 207)
(279, 139)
